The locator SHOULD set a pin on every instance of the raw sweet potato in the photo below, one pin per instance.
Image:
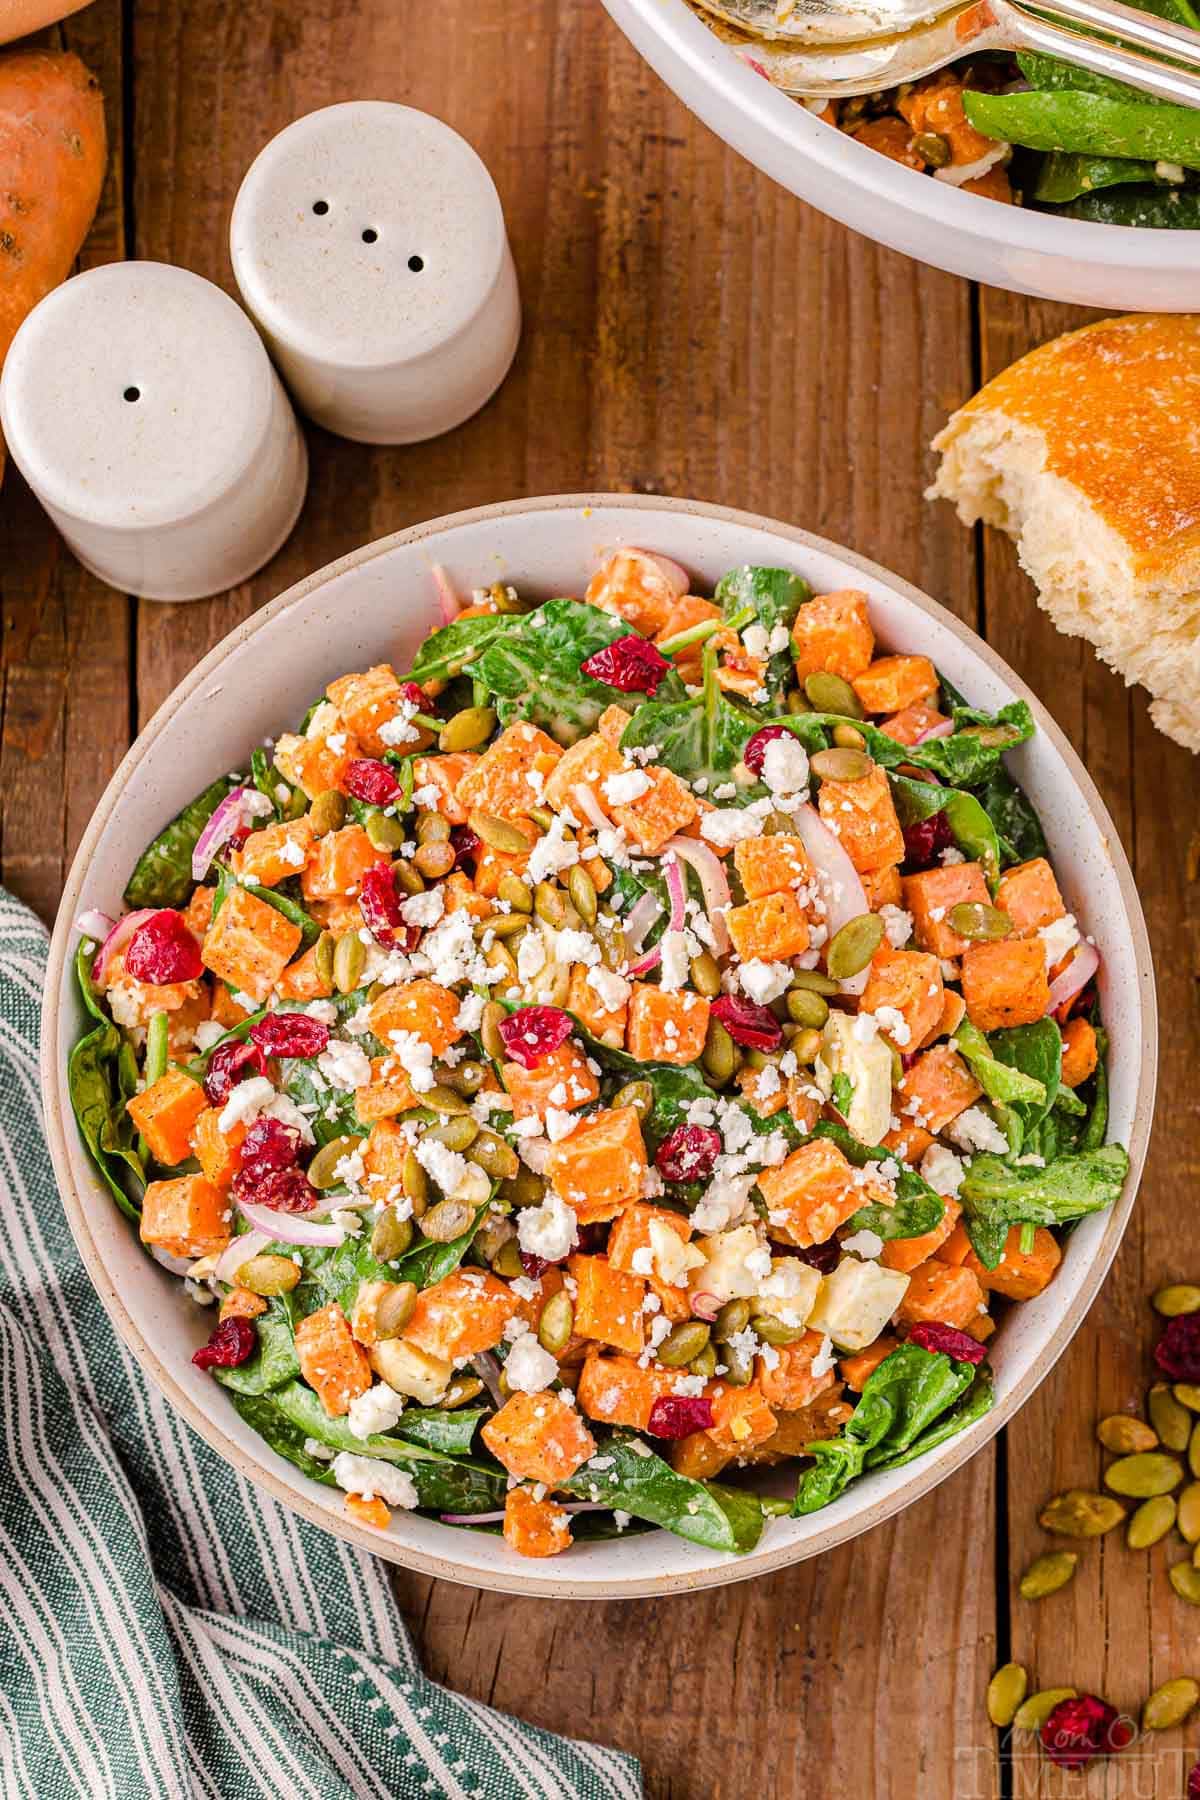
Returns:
(538, 1437)
(185, 1217)
(1005, 984)
(602, 1163)
(666, 1027)
(165, 1114)
(534, 1527)
(833, 633)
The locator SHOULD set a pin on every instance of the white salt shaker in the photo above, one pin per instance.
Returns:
(140, 406)
(368, 242)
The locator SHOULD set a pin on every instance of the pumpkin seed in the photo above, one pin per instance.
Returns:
(933, 149)
(446, 1221)
(1141, 1476)
(846, 737)
(507, 1260)
(719, 1055)
(1006, 1690)
(434, 859)
(706, 974)
(384, 831)
(830, 694)
(815, 981)
(773, 1331)
(733, 1317)
(501, 925)
(391, 1237)
(1046, 1574)
(704, 1365)
(980, 923)
(549, 903)
(1032, 1715)
(1189, 1513)
(394, 1308)
(681, 1343)
(1180, 1297)
(322, 1170)
(841, 765)
(515, 893)
(796, 702)
(323, 958)
(1187, 1395)
(806, 1045)
(489, 1031)
(523, 1189)
(349, 958)
(432, 827)
(637, 1094)
(1080, 1514)
(456, 1133)
(499, 835)
(407, 877)
(506, 599)
(1171, 1421)
(467, 1078)
(444, 1100)
(1184, 1577)
(556, 1323)
(415, 1182)
(738, 1365)
(269, 1275)
(807, 1008)
(1150, 1521)
(993, 737)
(1170, 1704)
(1194, 1452)
(1124, 1434)
(582, 890)
(467, 729)
(851, 948)
(462, 1390)
(494, 1156)
(328, 812)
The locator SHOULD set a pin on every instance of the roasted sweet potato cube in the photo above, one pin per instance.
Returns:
(383, 1151)
(314, 764)
(197, 914)
(633, 585)
(368, 1510)
(339, 915)
(215, 1150)
(330, 1360)
(856, 1370)
(786, 1380)
(911, 723)
(165, 1114)
(1079, 1052)
(1005, 984)
(613, 724)
(303, 980)
(369, 701)
(773, 929)
(698, 1456)
(584, 1001)
(833, 633)
(742, 1416)
(589, 763)
(1021, 1276)
(894, 682)
(906, 1253)
(225, 1009)
(460, 896)
(882, 887)
(771, 865)
(538, 1437)
(512, 773)
(937, 1291)
(666, 1027)
(958, 1253)
(616, 1390)
(810, 1194)
(667, 807)
(630, 1238)
(185, 1217)
(535, 1527)
(908, 982)
(388, 1092)
(688, 611)
(422, 1009)
(562, 1079)
(764, 1090)
(491, 866)
(929, 897)
(909, 1142)
(461, 1315)
(862, 816)
(338, 863)
(602, 1163)
(954, 1011)
(240, 1303)
(936, 1089)
(436, 779)
(249, 944)
(608, 1303)
(1029, 895)
(276, 852)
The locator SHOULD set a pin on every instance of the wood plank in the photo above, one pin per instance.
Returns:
(1118, 1630)
(64, 656)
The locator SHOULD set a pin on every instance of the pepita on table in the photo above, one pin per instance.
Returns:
(1124, 1434)
(1171, 1420)
(1006, 1690)
(1148, 1473)
(1178, 1298)
(1170, 1704)
(1037, 1709)
(1150, 1522)
(1077, 1513)
(1046, 1574)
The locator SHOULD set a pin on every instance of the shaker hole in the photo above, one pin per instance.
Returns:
(320, 207)
(133, 393)
(416, 264)
(370, 235)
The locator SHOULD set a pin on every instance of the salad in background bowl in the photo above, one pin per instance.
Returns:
(658, 1148)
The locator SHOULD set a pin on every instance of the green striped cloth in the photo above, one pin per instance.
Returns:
(165, 1629)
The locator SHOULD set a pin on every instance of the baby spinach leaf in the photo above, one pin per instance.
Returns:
(274, 1361)
(445, 652)
(1013, 815)
(1017, 1068)
(973, 831)
(914, 1214)
(996, 1195)
(262, 1414)
(634, 1479)
(162, 875)
(452, 1433)
(974, 1404)
(91, 1085)
(428, 1263)
(698, 739)
(776, 595)
(336, 1114)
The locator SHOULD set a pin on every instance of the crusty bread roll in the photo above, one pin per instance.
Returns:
(1087, 452)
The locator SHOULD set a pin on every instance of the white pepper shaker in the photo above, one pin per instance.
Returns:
(369, 244)
(140, 406)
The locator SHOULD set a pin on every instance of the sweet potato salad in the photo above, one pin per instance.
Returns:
(642, 1042)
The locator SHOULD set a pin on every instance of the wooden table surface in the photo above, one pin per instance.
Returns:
(690, 329)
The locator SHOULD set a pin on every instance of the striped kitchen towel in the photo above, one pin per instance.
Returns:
(165, 1629)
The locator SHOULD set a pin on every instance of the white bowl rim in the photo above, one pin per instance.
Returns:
(549, 1584)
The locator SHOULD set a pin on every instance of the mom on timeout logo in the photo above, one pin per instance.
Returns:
(1137, 1766)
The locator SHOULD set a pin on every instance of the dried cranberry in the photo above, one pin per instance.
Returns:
(380, 905)
(371, 780)
(688, 1153)
(292, 1034)
(229, 1064)
(1193, 1785)
(954, 1343)
(1177, 1351)
(283, 1190)
(822, 1257)
(269, 1144)
(163, 950)
(465, 845)
(678, 1415)
(232, 1343)
(748, 1024)
(755, 754)
(1081, 1729)
(533, 1032)
(415, 694)
(925, 840)
(630, 664)
(534, 1266)
(239, 837)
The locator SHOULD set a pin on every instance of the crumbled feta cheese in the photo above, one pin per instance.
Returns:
(864, 1243)
(373, 1479)
(625, 788)
(612, 990)
(764, 981)
(528, 1367)
(976, 1130)
(1059, 938)
(785, 766)
(375, 1411)
(729, 825)
(942, 1169)
(897, 925)
(552, 853)
(548, 1230)
(423, 909)
(344, 1066)
(208, 1032)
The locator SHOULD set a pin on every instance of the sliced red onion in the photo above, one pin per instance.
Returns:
(487, 1368)
(1076, 975)
(289, 1228)
(944, 728)
(94, 925)
(705, 1305)
(714, 884)
(842, 889)
(642, 915)
(116, 941)
(671, 572)
(448, 601)
(238, 1251)
(590, 807)
(676, 891)
(238, 808)
(644, 964)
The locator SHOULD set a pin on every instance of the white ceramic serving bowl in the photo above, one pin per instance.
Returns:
(1030, 252)
(376, 605)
